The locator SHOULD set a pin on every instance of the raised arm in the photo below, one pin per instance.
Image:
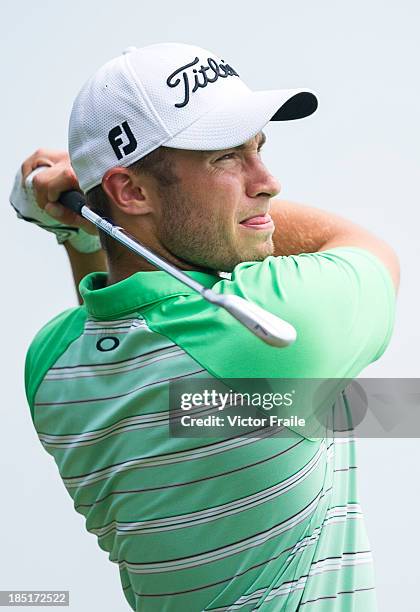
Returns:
(305, 229)
(48, 185)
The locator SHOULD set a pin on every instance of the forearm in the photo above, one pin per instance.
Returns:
(305, 229)
(84, 263)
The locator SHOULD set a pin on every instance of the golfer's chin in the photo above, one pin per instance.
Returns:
(241, 250)
(257, 250)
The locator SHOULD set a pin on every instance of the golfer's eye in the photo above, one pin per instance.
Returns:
(227, 156)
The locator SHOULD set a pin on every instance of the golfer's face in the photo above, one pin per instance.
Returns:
(217, 216)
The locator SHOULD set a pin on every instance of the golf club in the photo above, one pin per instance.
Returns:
(268, 327)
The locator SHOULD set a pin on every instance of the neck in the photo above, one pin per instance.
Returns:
(124, 266)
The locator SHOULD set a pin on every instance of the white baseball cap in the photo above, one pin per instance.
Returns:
(171, 94)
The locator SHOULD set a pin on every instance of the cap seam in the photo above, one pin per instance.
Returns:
(143, 92)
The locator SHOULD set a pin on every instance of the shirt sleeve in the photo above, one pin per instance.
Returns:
(341, 302)
(47, 345)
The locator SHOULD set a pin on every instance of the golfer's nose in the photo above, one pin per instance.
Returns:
(261, 182)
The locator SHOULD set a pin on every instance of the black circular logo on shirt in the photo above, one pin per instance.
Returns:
(108, 343)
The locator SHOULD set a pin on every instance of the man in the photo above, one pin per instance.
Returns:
(165, 141)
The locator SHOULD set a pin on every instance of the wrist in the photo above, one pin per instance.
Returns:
(82, 241)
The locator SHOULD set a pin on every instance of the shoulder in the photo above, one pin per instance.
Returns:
(48, 344)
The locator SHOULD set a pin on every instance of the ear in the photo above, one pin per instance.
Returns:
(129, 193)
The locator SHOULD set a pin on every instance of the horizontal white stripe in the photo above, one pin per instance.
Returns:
(91, 323)
(107, 369)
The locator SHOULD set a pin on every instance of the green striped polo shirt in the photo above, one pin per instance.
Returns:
(200, 524)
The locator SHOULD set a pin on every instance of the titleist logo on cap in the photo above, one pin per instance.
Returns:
(221, 70)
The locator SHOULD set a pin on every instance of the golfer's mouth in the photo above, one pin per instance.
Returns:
(260, 222)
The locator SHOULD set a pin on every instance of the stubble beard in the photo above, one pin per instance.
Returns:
(195, 238)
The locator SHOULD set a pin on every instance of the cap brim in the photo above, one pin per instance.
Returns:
(241, 118)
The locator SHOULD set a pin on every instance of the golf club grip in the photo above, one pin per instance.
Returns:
(73, 200)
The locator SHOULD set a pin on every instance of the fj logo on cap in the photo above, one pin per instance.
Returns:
(116, 141)
(201, 79)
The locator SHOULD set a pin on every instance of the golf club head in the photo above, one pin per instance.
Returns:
(264, 324)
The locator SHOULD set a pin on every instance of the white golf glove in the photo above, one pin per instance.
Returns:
(22, 198)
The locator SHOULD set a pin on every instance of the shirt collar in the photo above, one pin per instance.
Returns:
(135, 292)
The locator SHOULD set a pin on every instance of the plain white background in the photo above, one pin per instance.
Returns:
(357, 156)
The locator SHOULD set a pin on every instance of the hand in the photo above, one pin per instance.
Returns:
(59, 176)
(38, 185)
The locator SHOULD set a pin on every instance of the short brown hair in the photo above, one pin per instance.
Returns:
(158, 164)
